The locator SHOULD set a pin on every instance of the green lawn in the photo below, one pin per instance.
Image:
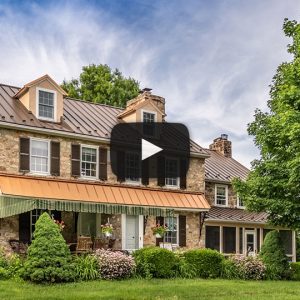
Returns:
(153, 289)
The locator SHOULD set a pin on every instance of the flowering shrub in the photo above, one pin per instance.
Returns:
(115, 265)
(244, 267)
(159, 229)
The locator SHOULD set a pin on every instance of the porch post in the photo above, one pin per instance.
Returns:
(261, 237)
(294, 246)
(237, 240)
(221, 239)
(244, 242)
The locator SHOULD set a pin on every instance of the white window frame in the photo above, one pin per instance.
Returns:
(128, 181)
(148, 112)
(178, 178)
(177, 232)
(238, 203)
(97, 162)
(226, 194)
(49, 156)
(252, 232)
(38, 89)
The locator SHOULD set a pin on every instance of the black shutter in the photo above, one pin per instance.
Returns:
(145, 172)
(102, 163)
(24, 227)
(121, 165)
(160, 221)
(161, 171)
(182, 231)
(183, 165)
(24, 154)
(55, 158)
(75, 160)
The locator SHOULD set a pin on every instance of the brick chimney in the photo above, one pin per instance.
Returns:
(222, 145)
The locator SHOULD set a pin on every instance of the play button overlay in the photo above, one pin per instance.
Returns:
(149, 149)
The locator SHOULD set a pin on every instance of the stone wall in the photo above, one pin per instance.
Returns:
(210, 194)
(9, 230)
(9, 158)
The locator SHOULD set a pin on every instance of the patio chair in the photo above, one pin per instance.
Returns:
(84, 244)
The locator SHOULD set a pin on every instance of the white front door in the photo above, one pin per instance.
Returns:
(132, 232)
(250, 243)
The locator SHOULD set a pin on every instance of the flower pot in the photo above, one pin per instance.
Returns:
(157, 235)
(107, 234)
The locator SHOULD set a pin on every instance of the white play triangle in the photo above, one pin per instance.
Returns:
(149, 149)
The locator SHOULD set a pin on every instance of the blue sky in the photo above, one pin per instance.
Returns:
(213, 61)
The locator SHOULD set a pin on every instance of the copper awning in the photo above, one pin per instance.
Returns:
(89, 193)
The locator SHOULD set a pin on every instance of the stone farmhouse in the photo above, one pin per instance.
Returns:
(54, 156)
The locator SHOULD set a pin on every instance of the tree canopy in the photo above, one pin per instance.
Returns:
(101, 84)
(273, 184)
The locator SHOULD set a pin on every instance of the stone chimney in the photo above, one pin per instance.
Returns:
(222, 145)
(145, 100)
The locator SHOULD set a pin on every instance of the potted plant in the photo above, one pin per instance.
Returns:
(107, 229)
(159, 230)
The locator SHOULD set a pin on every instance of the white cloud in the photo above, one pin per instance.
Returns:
(213, 63)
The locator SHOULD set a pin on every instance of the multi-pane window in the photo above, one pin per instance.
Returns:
(39, 156)
(46, 105)
(132, 167)
(171, 235)
(240, 202)
(172, 172)
(221, 195)
(148, 126)
(89, 162)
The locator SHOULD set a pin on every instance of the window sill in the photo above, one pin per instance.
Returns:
(88, 178)
(173, 187)
(136, 183)
(221, 205)
(31, 173)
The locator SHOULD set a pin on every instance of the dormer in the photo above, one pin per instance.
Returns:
(144, 108)
(44, 98)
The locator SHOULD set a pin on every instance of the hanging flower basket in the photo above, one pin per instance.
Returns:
(107, 229)
(159, 230)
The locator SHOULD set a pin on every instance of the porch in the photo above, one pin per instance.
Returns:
(85, 206)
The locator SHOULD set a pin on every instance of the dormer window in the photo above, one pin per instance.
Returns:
(46, 104)
(148, 119)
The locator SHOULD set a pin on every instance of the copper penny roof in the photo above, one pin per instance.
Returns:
(80, 117)
(75, 190)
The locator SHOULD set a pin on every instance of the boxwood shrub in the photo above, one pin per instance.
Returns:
(295, 269)
(206, 262)
(155, 262)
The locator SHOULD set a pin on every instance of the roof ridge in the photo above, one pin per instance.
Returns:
(8, 85)
(90, 102)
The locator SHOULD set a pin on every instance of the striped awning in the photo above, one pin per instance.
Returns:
(23, 193)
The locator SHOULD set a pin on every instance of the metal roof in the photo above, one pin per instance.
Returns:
(80, 117)
(83, 191)
(236, 215)
(221, 168)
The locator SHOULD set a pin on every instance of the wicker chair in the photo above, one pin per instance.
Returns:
(100, 243)
(84, 244)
